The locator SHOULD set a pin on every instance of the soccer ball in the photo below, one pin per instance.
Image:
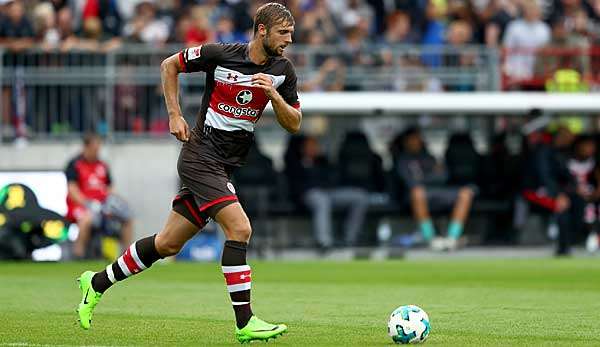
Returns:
(409, 324)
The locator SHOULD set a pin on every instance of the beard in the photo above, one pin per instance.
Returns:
(271, 51)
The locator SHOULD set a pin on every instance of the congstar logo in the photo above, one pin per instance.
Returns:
(238, 111)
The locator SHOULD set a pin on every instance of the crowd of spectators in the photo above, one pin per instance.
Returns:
(106, 24)
(96, 23)
(365, 35)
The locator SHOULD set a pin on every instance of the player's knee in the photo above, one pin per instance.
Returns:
(241, 232)
(84, 221)
(465, 193)
(167, 247)
(418, 193)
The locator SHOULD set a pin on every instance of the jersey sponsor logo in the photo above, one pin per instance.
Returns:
(244, 97)
(193, 53)
(232, 77)
(237, 111)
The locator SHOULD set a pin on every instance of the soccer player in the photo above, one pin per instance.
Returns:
(240, 80)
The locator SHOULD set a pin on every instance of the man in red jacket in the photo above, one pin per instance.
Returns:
(89, 187)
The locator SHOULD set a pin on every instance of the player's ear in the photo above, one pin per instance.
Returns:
(262, 30)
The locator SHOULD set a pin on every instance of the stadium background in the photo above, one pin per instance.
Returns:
(374, 66)
(74, 66)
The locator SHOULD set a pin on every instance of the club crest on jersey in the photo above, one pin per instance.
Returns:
(244, 97)
(193, 53)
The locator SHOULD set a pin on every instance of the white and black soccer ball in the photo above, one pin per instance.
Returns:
(409, 324)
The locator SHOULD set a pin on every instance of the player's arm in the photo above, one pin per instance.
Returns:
(201, 58)
(288, 116)
(72, 187)
(169, 70)
(75, 194)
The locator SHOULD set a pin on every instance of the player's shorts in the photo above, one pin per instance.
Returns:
(206, 189)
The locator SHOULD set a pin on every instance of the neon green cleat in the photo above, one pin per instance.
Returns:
(89, 299)
(258, 329)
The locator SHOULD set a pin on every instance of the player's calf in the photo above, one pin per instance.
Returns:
(137, 258)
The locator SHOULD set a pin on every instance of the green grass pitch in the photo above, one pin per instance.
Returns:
(471, 302)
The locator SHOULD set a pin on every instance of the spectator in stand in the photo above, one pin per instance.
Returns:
(200, 31)
(226, 31)
(64, 25)
(460, 34)
(44, 23)
(494, 16)
(424, 180)
(89, 196)
(145, 26)
(399, 29)
(183, 23)
(522, 38)
(312, 185)
(107, 12)
(317, 19)
(16, 32)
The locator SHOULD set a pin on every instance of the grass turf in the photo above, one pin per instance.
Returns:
(473, 302)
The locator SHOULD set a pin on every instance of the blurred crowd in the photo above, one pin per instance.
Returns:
(104, 24)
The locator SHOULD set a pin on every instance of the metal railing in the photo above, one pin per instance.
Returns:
(50, 94)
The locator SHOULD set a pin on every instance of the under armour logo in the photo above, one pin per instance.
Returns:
(244, 97)
(231, 76)
(243, 277)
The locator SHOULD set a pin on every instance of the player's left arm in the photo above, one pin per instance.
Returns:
(285, 104)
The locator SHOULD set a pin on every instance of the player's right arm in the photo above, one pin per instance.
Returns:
(201, 58)
(169, 70)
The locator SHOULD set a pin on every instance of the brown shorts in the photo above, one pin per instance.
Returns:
(206, 189)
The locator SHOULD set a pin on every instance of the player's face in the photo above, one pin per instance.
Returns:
(277, 38)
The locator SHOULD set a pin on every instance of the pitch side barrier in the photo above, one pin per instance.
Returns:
(475, 103)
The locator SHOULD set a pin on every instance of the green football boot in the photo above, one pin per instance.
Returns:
(258, 329)
(89, 299)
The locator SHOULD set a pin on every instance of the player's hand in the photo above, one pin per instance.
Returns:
(265, 83)
(562, 203)
(179, 128)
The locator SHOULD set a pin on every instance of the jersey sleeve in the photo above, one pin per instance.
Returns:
(200, 58)
(289, 89)
(71, 172)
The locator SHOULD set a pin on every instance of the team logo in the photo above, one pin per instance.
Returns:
(193, 53)
(244, 97)
(232, 77)
(231, 187)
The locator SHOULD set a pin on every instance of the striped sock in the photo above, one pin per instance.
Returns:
(137, 258)
(238, 277)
